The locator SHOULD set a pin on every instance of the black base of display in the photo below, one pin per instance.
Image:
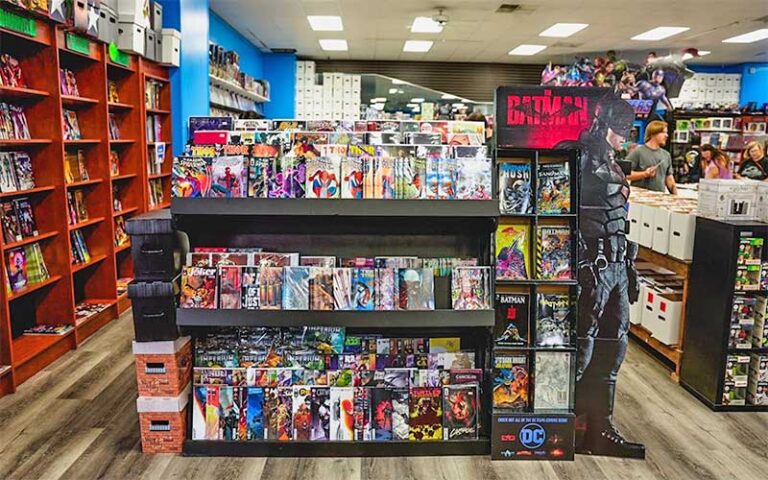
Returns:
(722, 408)
(335, 449)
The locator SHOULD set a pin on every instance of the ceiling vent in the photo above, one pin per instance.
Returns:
(508, 8)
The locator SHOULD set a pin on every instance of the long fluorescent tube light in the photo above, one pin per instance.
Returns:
(419, 46)
(425, 25)
(660, 33)
(334, 45)
(527, 49)
(562, 30)
(750, 37)
(325, 23)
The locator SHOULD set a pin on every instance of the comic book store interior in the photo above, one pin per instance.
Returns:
(393, 239)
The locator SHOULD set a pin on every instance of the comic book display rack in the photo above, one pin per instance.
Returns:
(346, 228)
(534, 354)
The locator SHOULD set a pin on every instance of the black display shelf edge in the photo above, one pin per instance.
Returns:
(335, 208)
(296, 318)
(212, 448)
(536, 282)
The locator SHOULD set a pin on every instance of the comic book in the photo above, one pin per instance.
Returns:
(515, 192)
(199, 397)
(554, 253)
(460, 412)
(317, 261)
(342, 289)
(8, 181)
(258, 175)
(296, 288)
(510, 381)
(228, 177)
(295, 176)
(447, 174)
(553, 381)
(384, 289)
(512, 252)
(400, 413)
(270, 288)
(230, 293)
(470, 288)
(271, 407)
(212, 409)
(381, 413)
(362, 414)
(302, 413)
(342, 413)
(198, 288)
(250, 284)
(285, 413)
(416, 289)
(553, 188)
(321, 414)
(363, 157)
(425, 414)
(255, 414)
(363, 290)
(352, 173)
(321, 288)
(10, 223)
(323, 174)
(431, 157)
(553, 320)
(512, 314)
(474, 178)
(25, 177)
(460, 376)
(228, 415)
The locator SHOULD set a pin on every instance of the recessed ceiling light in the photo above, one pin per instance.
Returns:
(425, 25)
(420, 46)
(660, 33)
(448, 97)
(392, 91)
(333, 45)
(750, 37)
(325, 23)
(527, 49)
(704, 52)
(417, 100)
(562, 30)
(378, 99)
(458, 105)
(396, 81)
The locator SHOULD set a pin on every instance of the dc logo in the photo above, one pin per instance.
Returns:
(533, 435)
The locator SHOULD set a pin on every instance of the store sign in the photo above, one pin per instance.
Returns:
(17, 23)
(531, 436)
(78, 44)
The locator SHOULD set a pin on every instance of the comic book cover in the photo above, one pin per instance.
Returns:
(24, 174)
(381, 413)
(342, 426)
(553, 320)
(324, 340)
(361, 157)
(258, 176)
(470, 288)
(460, 412)
(302, 413)
(8, 179)
(425, 414)
(342, 288)
(460, 376)
(397, 377)
(431, 157)
(317, 261)
(417, 138)
(10, 223)
(241, 403)
(515, 192)
(294, 172)
(320, 414)
(270, 288)
(296, 288)
(474, 179)
(416, 289)
(228, 414)
(362, 414)
(510, 381)
(440, 127)
(229, 177)
(212, 408)
(554, 188)
(199, 398)
(352, 177)
(512, 314)
(447, 174)
(230, 293)
(323, 174)
(285, 413)
(341, 378)
(271, 407)
(400, 413)
(271, 259)
(250, 286)
(384, 289)
(512, 252)
(553, 381)
(363, 289)
(198, 288)
(467, 127)
(321, 288)
(554, 253)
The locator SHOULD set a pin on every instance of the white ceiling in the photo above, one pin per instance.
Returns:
(377, 29)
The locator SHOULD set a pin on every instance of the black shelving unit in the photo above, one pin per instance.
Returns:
(350, 228)
(712, 281)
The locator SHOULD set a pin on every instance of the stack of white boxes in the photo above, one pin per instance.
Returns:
(337, 97)
(731, 199)
(662, 222)
(140, 30)
(659, 306)
(714, 89)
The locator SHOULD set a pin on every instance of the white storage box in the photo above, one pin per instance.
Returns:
(130, 37)
(309, 68)
(728, 199)
(134, 11)
(156, 17)
(762, 202)
(647, 225)
(666, 324)
(150, 44)
(682, 228)
(633, 218)
(649, 301)
(636, 309)
(661, 230)
(300, 69)
(107, 24)
(171, 47)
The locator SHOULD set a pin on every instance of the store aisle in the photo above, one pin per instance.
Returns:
(77, 419)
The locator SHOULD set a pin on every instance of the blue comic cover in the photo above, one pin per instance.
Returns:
(363, 289)
(296, 288)
(515, 192)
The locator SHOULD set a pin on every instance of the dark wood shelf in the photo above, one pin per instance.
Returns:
(127, 176)
(27, 347)
(28, 240)
(156, 77)
(122, 141)
(77, 267)
(31, 191)
(152, 144)
(87, 223)
(13, 142)
(84, 183)
(83, 141)
(124, 211)
(17, 93)
(160, 206)
(158, 111)
(76, 55)
(80, 323)
(33, 288)
(120, 68)
(75, 102)
(122, 248)
(119, 107)
(155, 176)
(188, 317)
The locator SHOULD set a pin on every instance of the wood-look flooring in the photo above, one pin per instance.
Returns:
(77, 420)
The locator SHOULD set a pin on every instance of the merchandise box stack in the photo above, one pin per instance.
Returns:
(337, 97)
(662, 222)
(729, 199)
(709, 89)
(660, 303)
(163, 422)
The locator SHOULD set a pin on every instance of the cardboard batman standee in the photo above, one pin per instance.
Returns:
(596, 123)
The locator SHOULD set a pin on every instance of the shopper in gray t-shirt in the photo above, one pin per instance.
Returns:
(651, 164)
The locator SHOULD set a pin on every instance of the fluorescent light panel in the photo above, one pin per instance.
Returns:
(420, 46)
(334, 45)
(425, 25)
(325, 23)
(378, 99)
(750, 37)
(660, 33)
(527, 49)
(417, 100)
(562, 30)
(448, 96)
(392, 91)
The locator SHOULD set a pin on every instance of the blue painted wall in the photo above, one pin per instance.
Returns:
(280, 71)
(251, 58)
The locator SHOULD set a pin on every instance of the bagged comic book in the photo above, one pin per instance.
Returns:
(198, 288)
(302, 413)
(515, 192)
(229, 177)
(381, 413)
(474, 179)
(258, 177)
(362, 414)
(400, 413)
(228, 414)
(352, 178)
(342, 426)
(512, 316)
(431, 157)
(425, 414)
(470, 288)
(554, 188)
(416, 289)
(323, 174)
(553, 381)
(250, 286)
(296, 288)
(510, 381)
(25, 177)
(460, 412)
(255, 414)
(270, 288)
(553, 320)
(512, 252)
(230, 284)
(363, 289)
(385, 289)
(191, 177)
(321, 288)
(342, 288)
(321, 413)
(199, 398)
(554, 253)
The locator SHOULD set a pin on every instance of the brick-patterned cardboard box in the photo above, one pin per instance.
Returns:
(163, 369)
(163, 422)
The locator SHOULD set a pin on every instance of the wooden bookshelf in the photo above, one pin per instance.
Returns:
(53, 301)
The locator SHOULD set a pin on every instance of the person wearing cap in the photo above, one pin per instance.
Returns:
(651, 164)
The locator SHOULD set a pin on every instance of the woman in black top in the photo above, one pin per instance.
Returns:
(754, 165)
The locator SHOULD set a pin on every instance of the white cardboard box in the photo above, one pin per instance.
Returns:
(309, 68)
(130, 38)
(133, 11)
(649, 302)
(666, 324)
(647, 225)
(762, 202)
(728, 199)
(661, 230)
(636, 309)
(633, 218)
(682, 228)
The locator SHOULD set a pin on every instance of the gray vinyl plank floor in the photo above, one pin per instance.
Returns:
(76, 420)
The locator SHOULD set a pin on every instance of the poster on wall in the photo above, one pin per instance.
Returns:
(595, 122)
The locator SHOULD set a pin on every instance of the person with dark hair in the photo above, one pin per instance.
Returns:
(477, 116)
(718, 164)
(753, 164)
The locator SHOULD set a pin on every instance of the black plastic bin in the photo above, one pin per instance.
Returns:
(154, 310)
(155, 246)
